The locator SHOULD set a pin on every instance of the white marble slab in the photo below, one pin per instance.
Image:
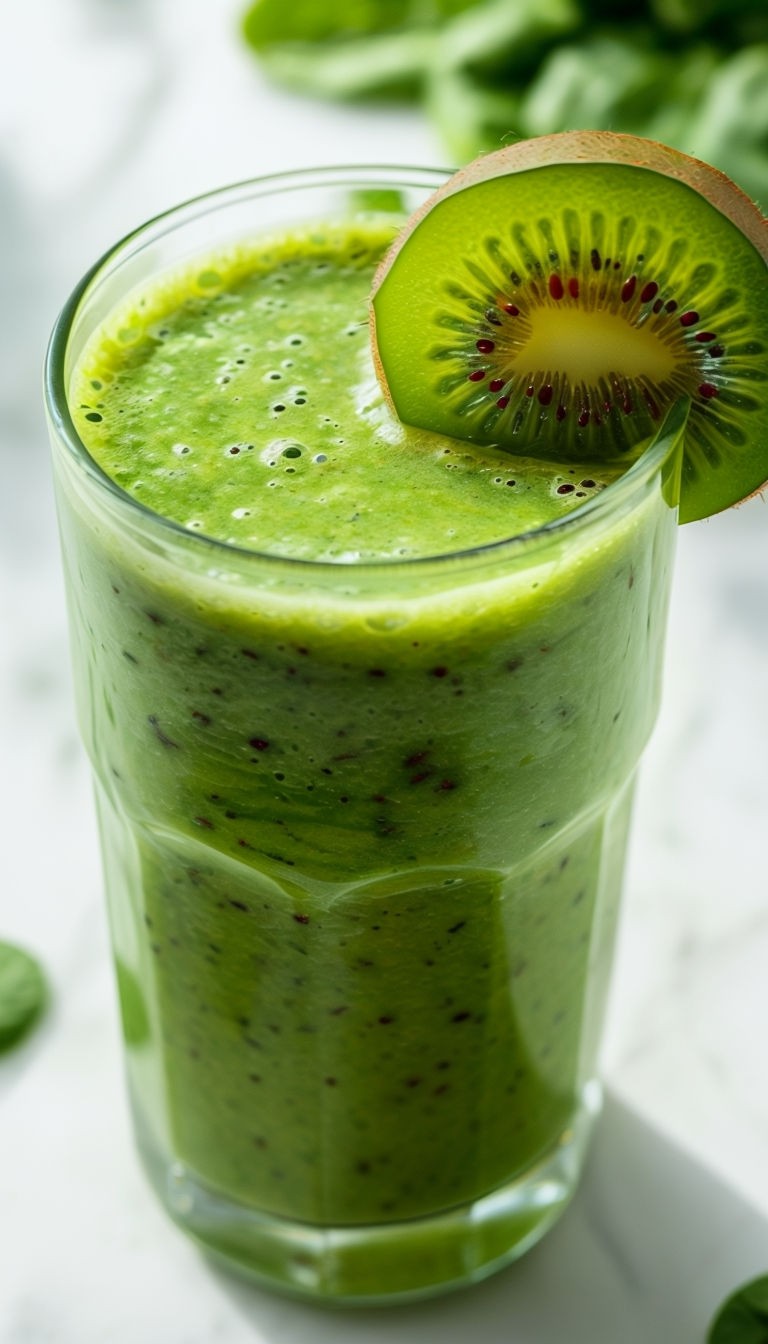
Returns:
(109, 112)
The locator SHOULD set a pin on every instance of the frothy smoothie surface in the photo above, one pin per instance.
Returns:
(239, 399)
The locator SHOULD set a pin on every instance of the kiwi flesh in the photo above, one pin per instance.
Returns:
(558, 296)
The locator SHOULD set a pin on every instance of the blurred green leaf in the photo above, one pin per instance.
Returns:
(731, 127)
(355, 48)
(471, 117)
(377, 200)
(743, 1319)
(268, 22)
(732, 22)
(601, 84)
(671, 122)
(691, 73)
(387, 65)
(499, 37)
(23, 993)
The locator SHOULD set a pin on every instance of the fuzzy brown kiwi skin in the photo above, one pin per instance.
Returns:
(588, 147)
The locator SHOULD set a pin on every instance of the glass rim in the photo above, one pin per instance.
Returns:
(166, 221)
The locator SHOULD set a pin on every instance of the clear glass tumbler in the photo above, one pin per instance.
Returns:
(361, 1017)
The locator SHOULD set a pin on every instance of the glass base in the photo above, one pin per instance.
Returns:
(386, 1262)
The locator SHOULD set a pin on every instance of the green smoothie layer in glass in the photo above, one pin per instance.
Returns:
(363, 847)
(241, 401)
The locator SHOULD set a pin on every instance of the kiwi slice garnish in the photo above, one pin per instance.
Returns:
(557, 297)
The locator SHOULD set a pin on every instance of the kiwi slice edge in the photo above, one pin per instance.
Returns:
(556, 297)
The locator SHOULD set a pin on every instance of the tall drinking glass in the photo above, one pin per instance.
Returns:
(363, 830)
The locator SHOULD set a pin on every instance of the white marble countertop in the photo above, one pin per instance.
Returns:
(110, 112)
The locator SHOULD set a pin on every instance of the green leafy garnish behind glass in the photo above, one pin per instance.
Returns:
(692, 73)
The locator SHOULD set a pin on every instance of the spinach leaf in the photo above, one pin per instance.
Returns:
(471, 116)
(743, 1319)
(355, 48)
(502, 39)
(730, 126)
(22, 993)
(607, 82)
(268, 22)
(732, 23)
(691, 73)
(384, 65)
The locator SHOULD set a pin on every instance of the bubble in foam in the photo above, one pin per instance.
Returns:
(277, 448)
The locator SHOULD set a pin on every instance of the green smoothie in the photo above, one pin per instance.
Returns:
(364, 819)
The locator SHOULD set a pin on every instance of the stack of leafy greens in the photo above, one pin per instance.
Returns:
(692, 73)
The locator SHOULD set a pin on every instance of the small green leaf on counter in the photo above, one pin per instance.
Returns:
(743, 1318)
(23, 993)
